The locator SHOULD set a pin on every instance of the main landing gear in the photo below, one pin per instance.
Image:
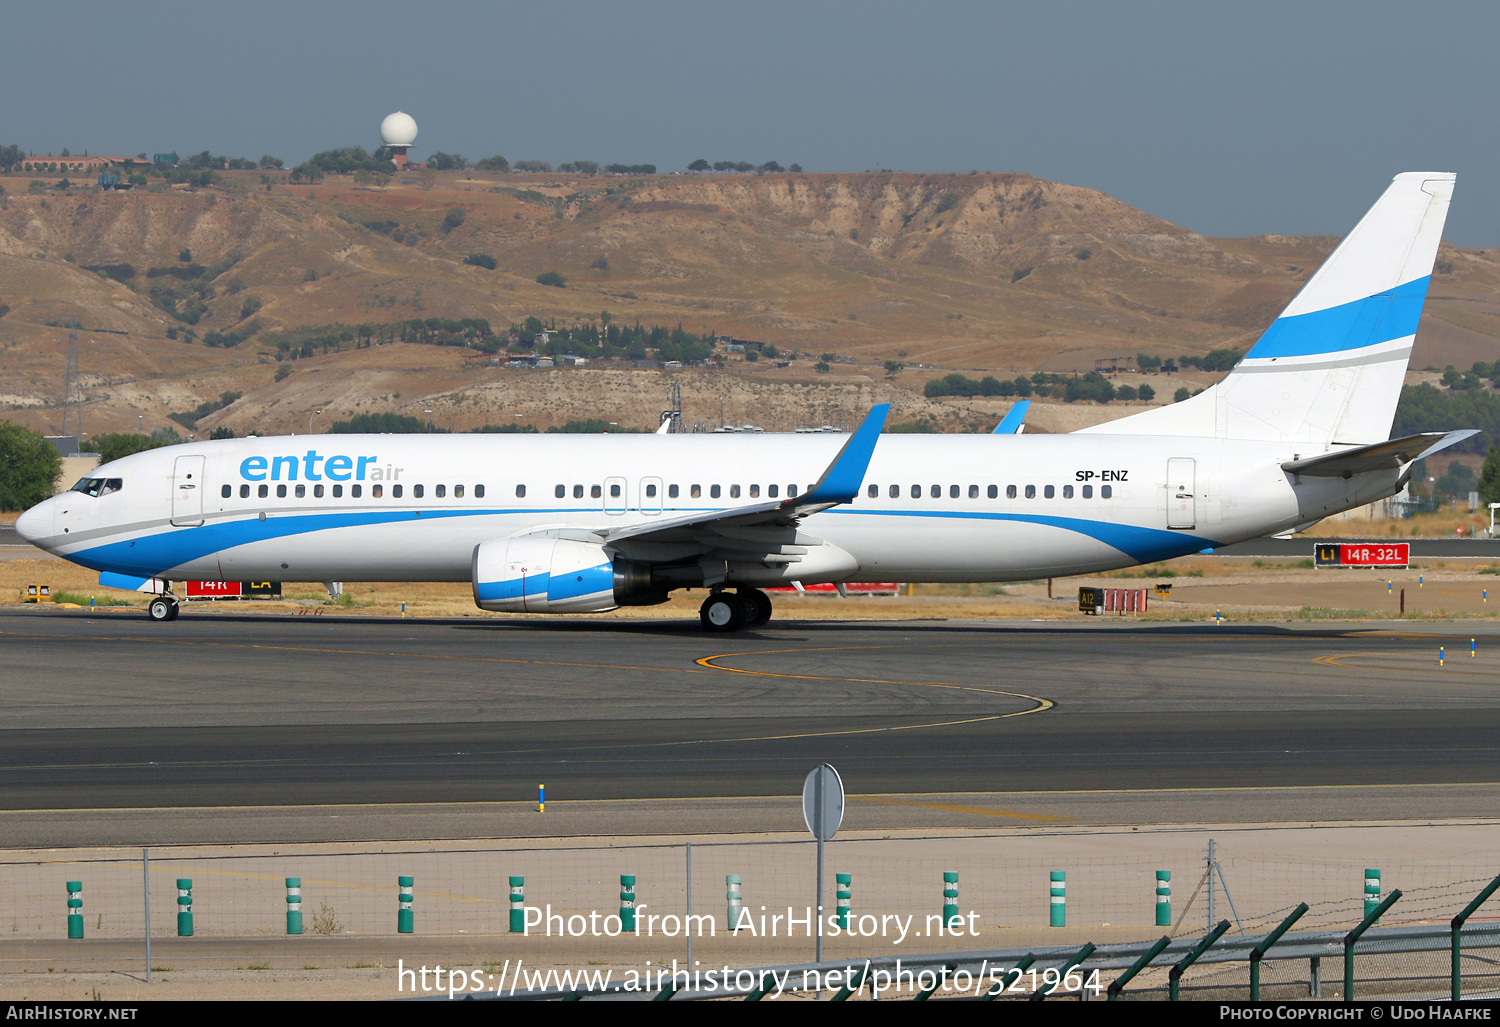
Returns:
(163, 608)
(730, 611)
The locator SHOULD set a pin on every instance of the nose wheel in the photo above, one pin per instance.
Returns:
(731, 611)
(163, 608)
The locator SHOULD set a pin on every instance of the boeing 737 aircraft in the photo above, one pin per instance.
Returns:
(579, 524)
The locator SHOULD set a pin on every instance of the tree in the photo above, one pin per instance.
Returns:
(10, 156)
(1147, 393)
(495, 163)
(283, 372)
(186, 256)
(223, 431)
(114, 445)
(893, 368)
(698, 165)
(454, 218)
(441, 161)
(795, 169)
(1489, 476)
(29, 466)
(307, 172)
(268, 162)
(1181, 394)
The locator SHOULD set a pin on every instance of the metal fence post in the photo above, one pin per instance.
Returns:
(1068, 967)
(1353, 936)
(146, 890)
(1174, 976)
(1259, 952)
(1118, 984)
(1457, 926)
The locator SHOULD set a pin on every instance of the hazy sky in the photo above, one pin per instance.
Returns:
(1231, 119)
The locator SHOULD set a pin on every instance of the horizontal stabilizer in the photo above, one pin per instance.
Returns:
(1378, 456)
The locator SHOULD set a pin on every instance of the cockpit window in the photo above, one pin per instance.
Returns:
(98, 486)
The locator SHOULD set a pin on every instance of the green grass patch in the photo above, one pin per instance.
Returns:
(80, 599)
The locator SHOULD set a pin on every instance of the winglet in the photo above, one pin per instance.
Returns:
(841, 482)
(1015, 420)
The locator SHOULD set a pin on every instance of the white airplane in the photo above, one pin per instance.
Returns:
(1298, 430)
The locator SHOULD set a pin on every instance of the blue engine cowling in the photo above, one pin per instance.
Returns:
(535, 574)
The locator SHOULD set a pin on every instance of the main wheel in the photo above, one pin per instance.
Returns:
(162, 608)
(722, 611)
(757, 607)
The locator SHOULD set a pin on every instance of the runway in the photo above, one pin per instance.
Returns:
(216, 710)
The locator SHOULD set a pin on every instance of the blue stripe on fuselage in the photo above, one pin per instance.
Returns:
(1364, 322)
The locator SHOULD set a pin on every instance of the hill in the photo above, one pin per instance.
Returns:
(986, 273)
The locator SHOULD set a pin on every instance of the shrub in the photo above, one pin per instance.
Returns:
(454, 218)
(947, 203)
(483, 260)
(283, 372)
(1181, 394)
(553, 279)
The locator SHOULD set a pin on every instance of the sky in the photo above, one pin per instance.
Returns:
(1230, 119)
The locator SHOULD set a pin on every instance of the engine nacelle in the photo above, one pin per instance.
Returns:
(534, 574)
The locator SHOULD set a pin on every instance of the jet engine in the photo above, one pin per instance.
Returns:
(537, 574)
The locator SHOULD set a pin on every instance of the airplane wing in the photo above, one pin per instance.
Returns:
(1015, 419)
(1378, 456)
(840, 483)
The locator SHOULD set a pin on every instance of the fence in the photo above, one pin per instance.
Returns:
(1003, 900)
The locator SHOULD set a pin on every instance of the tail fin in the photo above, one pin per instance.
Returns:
(1329, 370)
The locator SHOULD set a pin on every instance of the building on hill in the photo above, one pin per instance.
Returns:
(52, 162)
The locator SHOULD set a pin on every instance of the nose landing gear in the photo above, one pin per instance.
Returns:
(730, 611)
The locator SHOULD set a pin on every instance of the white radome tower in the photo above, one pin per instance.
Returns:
(399, 132)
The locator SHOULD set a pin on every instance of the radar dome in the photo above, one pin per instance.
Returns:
(398, 130)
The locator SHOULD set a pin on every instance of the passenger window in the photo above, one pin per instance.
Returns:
(671, 491)
(355, 491)
(614, 492)
(1067, 491)
(318, 491)
(994, 491)
(713, 492)
(952, 491)
(973, 491)
(395, 491)
(577, 492)
(226, 491)
(244, 491)
(1088, 492)
(937, 492)
(916, 492)
(301, 491)
(596, 492)
(791, 490)
(773, 491)
(478, 491)
(650, 491)
(338, 491)
(754, 491)
(1010, 492)
(416, 492)
(520, 491)
(280, 491)
(1105, 491)
(458, 491)
(560, 491)
(696, 491)
(1049, 492)
(437, 490)
(376, 491)
(734, 492)
(1030, 491)
(895, 491)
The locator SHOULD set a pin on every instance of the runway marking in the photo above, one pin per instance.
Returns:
(708, 661)
(978, 810)
(1336, 660)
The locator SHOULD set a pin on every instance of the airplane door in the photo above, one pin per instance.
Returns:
(614, 495)
(1182, 499)
(650, 495)
(187, 491)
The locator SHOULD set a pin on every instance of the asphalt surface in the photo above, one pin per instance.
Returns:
(220, 710)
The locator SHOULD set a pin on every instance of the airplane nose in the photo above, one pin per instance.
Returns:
(37, 522)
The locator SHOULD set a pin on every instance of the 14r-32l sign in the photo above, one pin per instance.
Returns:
(1362, 554)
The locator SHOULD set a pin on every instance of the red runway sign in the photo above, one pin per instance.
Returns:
(1362, 554)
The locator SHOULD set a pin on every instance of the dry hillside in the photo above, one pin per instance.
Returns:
(980, 272)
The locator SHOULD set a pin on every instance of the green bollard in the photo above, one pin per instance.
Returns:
(1164, 898)
(184, 907)
(735, 898)
(627, 903)
(1372, 889)
(950, 896)
(404, 916)
(1059, 917)
(75, 909)
(294, 905)
(845, 897)
(517, 904)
